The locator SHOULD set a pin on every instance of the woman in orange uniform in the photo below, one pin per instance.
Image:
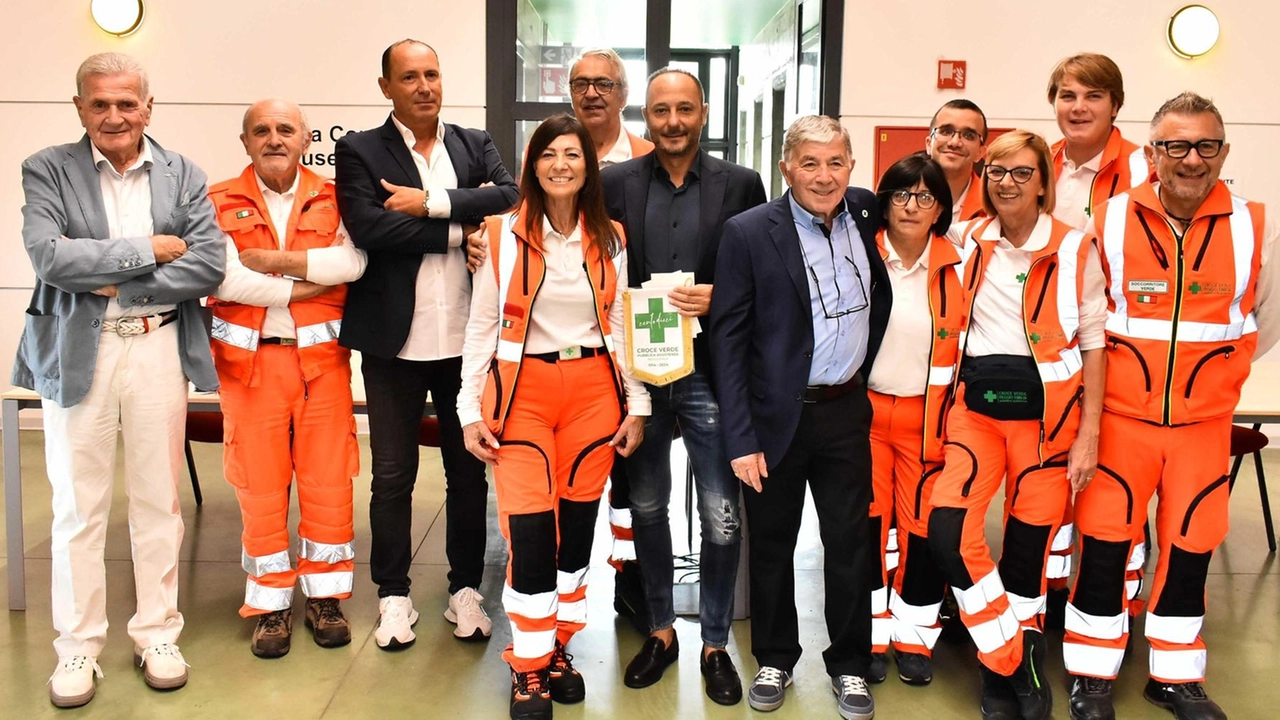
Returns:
(1027, 407)
(909, 390)
(546, 402)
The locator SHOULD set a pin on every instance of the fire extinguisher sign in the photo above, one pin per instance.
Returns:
(951, 74)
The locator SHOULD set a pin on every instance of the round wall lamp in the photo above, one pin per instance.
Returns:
(1193, 31)
(118, 17)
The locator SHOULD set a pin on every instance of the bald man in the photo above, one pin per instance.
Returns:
(286, 382)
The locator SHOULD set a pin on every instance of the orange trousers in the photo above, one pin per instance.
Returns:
(905, 603)
(996, 603)
(276, 428)
(553, 460)
(1187, 466)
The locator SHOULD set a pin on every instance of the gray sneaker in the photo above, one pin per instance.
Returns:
(853, 697)
(769, 689)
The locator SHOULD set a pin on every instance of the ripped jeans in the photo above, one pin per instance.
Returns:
(690, 404)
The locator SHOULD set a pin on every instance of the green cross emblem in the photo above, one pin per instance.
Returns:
(1035, 338)
(1194, 288)
(1022, 277)
(943, 334)
(989, 396)
(656, 321)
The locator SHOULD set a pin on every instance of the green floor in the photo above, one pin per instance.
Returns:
(440, 677)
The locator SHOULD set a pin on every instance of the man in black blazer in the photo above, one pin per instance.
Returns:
(406, 192)
(673, 203)
(801, 303)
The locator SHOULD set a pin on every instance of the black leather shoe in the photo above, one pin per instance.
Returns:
(724, 687)
(1055, 611)
(628, 596)
(647, 666)
(1187, 701)
(1029, 682)
(998, 699)
(1091, 699)
(879, 668)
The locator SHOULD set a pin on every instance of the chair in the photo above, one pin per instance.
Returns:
(203, 427)
(1245, 441)
(429, 432)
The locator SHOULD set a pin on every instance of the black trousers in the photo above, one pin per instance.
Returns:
(831, 450)
(397, 391)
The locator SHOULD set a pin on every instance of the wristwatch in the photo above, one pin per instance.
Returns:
(426, 198)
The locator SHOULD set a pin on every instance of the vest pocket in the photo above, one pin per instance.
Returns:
(40, 344)
(1195, 370)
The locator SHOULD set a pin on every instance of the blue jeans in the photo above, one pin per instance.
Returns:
(689, 403)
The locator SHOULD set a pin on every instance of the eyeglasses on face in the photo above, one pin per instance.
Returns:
(946, 132)
(1178, 149)
(603, 86)
(1021, 174)
(924, 200)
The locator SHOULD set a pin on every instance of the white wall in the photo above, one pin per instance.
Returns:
(207, 62)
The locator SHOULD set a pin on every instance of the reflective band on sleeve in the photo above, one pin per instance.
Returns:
(1063, 369)
(241, 337)
(1178, 665)
(326, 553)
(941, 374)
(266, 598)
(993, 634)
(973, 600)
(1091, 660)
(1026, 608)
(1095, 626)
(1062, 539)
(319, 333)
(1176, 630)
(265, 564)
(326, 584)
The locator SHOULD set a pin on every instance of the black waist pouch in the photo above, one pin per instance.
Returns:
(1003, 387)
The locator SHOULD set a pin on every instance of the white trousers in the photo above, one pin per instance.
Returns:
(139, 389)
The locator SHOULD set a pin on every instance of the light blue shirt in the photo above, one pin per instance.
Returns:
(839, 276)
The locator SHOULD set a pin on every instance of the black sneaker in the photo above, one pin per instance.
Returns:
(853, 698)
(914, 668)
(999, 702)
(566, 683)
(1055, 611)
(1187, 701)
(1091, 699)
(530, 695)
(1035, 698)
(879, 668)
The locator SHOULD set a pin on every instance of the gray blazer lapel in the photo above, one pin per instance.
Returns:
(84, 183)
(164, 190)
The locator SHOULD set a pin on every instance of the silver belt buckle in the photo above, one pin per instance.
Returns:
(573, 352)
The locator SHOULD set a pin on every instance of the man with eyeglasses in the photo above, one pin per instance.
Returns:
(1190, 271)
(801, 304)
(598, 90)
(957, 142)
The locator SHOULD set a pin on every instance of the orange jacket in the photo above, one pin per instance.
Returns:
(1050, 332)
(313, 223)
(972, 207)
(518, 286)
(1179, 306)
(946, 311)
(639, 146)
(1124, 166)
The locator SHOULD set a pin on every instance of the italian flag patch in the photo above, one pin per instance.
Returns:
(1146, 298)
(243, 214)
(507, 323)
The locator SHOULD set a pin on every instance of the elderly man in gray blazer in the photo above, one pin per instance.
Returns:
(123, 240)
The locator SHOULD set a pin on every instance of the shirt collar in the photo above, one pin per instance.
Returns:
(268, 192)
(409, 138)
(1093, 164)
(145, 158)
(621, 150)
(694, 172)
(1038, 240)
(892, 256)
(808, 220)
(550, 232)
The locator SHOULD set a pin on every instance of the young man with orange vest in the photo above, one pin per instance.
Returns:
(1091, 163)
(1191, 277)
(286, 383)
(957, 142)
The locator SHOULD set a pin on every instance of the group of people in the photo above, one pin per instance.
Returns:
(985, 317)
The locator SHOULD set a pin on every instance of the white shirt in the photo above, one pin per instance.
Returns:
(996, 327)
(901, 368)
(958, 206)
(621, 151)
(442, 296)
(562, 315)
(127, 200)
(1072, 191)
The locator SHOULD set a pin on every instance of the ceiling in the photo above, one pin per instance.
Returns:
(621, 23)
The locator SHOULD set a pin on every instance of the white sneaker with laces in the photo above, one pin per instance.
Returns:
(163, 667)
(71, 684)
(468, 614)
(396, 618)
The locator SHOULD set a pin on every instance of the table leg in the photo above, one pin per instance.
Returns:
(13, 506)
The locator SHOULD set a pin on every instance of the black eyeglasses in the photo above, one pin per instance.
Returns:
(946, 132)
(1021, 174)
(1178, 149)
(924, 200)
(859, 303)
(604, 86)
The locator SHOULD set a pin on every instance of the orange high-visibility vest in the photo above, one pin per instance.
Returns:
(1181, 331)
(972, 207)
(313, 223)
(1050, 318)
(1124, 166)
(520, 269)
(946, 314)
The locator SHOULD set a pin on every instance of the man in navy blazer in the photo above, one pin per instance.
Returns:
(801, 303)
(406, 192)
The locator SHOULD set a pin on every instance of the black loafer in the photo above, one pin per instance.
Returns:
(647, 666)
(724, 687)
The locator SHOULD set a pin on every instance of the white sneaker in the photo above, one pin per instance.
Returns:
(396, 618)
(162, 666)
(71, 684)
(468, 614)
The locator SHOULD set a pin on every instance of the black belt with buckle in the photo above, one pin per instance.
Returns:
(554, 357)
(822, 393)
(277, 341)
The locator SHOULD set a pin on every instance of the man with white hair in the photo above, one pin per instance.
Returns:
(123, 241)
(598, 90)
